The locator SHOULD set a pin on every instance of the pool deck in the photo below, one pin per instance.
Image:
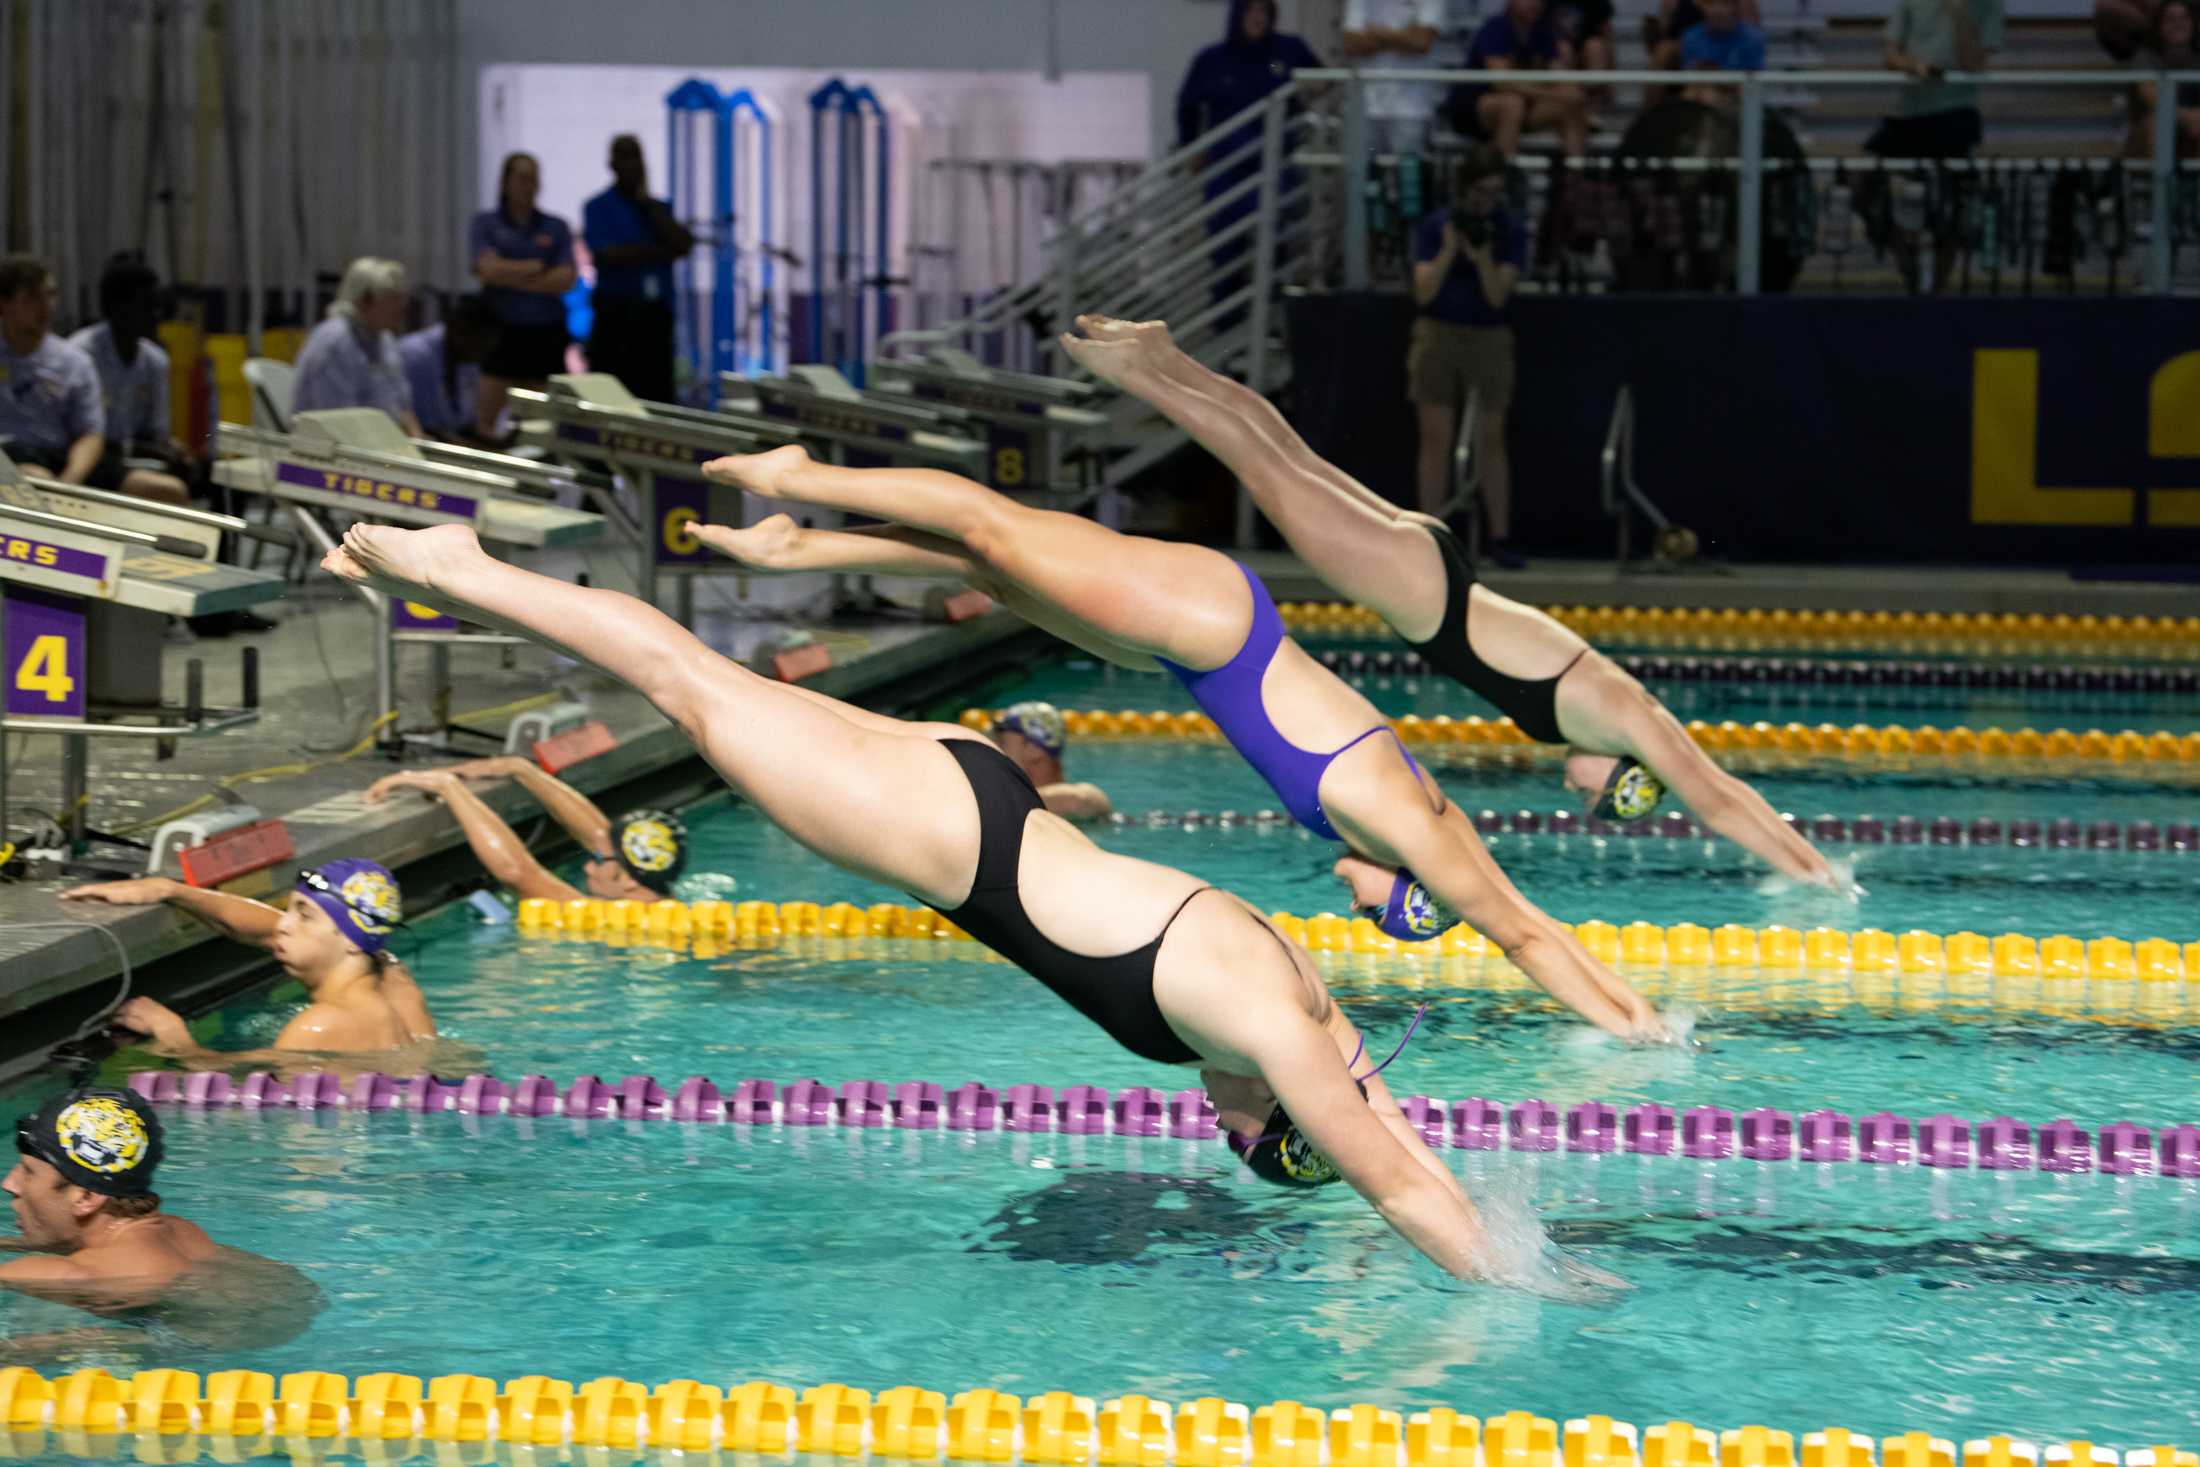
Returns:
(316, 688)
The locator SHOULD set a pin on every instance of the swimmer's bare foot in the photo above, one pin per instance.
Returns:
(1119, 362)
(759, 473)
(419, 565)
(774, 543)
(1152, 335)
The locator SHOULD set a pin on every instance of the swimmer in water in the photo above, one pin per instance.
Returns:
(1173, 970)
(92, 1234)
(1625, 749)
(1034, 735)
(332, 937)
(637, 857)
(1415, 862)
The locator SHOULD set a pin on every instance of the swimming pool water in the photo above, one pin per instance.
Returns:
(1878, 1299)
(1881, 1299)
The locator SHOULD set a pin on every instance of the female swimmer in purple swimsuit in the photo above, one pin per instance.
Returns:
(1624, 748)
(1195, 612)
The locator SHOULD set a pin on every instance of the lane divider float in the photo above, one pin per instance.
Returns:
(1682, 945)
(168, 1409)
(1702, 1132)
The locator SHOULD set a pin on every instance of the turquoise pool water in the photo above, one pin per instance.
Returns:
(1880, 1299)
(1084, 684)
(1875, 1299)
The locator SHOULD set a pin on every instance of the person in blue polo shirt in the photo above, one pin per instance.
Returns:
(443, 366)
(1723, 41)
(52, 412)
(350, 359)
(524, 261)
(634, 240)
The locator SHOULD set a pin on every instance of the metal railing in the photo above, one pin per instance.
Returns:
(1750, 164)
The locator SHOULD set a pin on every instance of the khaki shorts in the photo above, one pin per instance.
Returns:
(1445, 362)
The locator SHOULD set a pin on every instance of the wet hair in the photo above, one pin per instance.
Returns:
(504, 174)
(21, 272)
(144, 1204)
(125, 280)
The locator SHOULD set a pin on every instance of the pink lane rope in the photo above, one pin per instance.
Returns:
(1703, 1132)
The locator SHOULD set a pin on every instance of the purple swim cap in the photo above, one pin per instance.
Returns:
(360, 897)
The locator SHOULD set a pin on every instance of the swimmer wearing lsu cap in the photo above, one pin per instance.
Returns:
(637, 857)
(1035, 736)
(86, 1214)
(1191, 976)
(1155, 605)
(1625, 749)
(332, 937)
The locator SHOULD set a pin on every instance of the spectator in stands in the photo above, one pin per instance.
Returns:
(2121, 25)
(1662, 32)
(1251, 60)
(351, 358)
(2168, 47)
(443, 366)
(50, 409)
(1721, 41)
(524, 261)
(1936, 118)
(1466, 260)
(133, 382)
(634, 240)
(1519, 38)
(1389, 35)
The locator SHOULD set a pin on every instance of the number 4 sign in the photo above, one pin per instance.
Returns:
(45, 647)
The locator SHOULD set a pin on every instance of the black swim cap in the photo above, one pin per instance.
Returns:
(1284, 1157)
(1630, 792)
(105, 1141)
(653, 847)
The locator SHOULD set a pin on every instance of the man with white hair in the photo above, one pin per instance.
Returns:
(351, 358)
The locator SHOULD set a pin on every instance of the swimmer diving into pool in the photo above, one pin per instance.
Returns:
(332, 937)
(1415, 858)
(1173, 970)
(93, 1236)
(1624, 748)
(637, 857)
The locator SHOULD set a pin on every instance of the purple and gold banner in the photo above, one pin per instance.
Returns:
(66, 559)
(45, 652)
(365, 487)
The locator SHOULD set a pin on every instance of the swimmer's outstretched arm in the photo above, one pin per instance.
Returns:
(582, 818)
(867, 794)
(240, 919)
(1298, 1060)
(1730, 806)
(494, 843)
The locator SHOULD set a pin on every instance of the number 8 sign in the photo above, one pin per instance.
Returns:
(45, 646)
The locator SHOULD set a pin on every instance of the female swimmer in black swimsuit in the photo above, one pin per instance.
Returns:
(1625, 749)
(945, 816)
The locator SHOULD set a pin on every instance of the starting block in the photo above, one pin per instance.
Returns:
(575, 746)
(539, 724)
(235, 853)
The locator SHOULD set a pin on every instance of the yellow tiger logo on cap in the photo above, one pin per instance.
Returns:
(1637, 793)
(102, 1135)
(648, 845)
(374, 900)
